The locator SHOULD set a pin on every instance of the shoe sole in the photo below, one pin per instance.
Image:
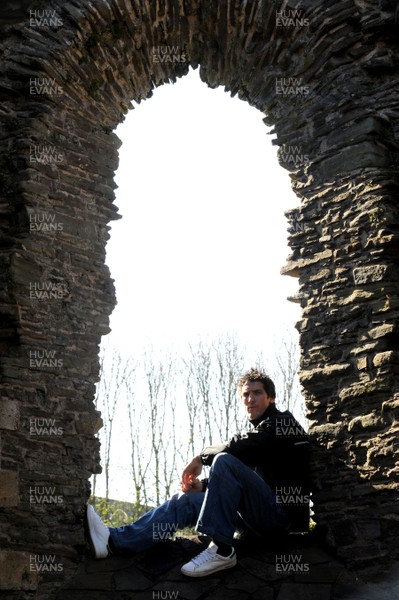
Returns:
(89, 536)
(87, 532)
(198, 574)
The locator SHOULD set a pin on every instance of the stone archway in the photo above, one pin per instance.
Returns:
(324, 75)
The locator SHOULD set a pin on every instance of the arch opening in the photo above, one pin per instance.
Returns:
(205, 249)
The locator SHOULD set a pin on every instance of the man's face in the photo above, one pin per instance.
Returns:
(255, 399)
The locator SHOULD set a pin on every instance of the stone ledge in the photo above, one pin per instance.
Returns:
(291, 567)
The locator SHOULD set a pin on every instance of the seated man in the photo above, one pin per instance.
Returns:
(254, 477)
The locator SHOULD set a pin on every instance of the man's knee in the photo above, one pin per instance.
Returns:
(224, 460)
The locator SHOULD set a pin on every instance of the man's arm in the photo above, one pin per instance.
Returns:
(245, 447)
(268, 437)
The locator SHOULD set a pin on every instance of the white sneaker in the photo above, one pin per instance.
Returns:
(98, 534)
(208, 562)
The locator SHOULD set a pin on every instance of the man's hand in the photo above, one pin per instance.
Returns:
(189, 479)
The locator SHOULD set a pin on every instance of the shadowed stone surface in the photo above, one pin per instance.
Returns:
(296, 569)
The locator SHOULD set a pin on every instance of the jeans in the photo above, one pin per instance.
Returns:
(234, 491)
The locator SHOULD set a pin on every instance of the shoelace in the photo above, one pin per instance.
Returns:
(203, 557)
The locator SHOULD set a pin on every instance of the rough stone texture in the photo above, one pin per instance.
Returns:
(9, 416)
(296, 568)
(8, 488)
(329, 88)
(16, 573)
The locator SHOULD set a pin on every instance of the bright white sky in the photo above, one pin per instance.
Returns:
(203, 234)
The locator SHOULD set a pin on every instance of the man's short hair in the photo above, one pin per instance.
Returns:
(257, 375)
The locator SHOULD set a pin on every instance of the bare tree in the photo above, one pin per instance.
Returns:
(199, 394)
(228, 366)
(193, 406)
(140, 457)
(286, 374)
(115, 374)
(160, 405)
(210, 373)
(170, 454)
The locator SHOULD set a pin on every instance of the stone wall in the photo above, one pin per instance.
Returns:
(324, 73)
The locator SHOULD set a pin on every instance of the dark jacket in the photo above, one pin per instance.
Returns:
(277, 448)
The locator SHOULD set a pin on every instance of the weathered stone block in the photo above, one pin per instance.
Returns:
(8, 488)
(369, 127)
(370, 421)
(356, 156)
(24, 271)
(294, 267)
(392, 405)
(327, 431)
(356, 296)
(324, 372)
(362, 363)
(383, 358)
(381, 330)
(323, 274)
(370, 273)
(357, 390)
(9, 414)
(15, 572)
(88, 424)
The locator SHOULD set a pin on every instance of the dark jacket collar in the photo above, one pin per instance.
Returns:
(271, 410)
